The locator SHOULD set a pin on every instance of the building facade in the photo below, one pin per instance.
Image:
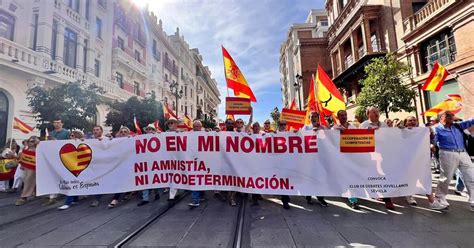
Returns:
(304, 48)
(113, 44)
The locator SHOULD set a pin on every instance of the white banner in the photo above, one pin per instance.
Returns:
(305, 163)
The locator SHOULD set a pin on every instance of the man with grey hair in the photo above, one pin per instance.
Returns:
(196, 195)
(449, 138)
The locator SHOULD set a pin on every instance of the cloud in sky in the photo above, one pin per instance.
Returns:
(251, 30)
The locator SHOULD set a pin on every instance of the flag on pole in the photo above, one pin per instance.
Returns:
(138, 130)
(20, 125)
(436, 78)
(168, 112)
(453, 103)
(328, 95)
(188, 122)
(235, 79)
(292, 105)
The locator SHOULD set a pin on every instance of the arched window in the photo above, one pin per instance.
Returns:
(3, 118)
(7, 25)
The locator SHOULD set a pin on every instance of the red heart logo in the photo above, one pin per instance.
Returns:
(75, 159)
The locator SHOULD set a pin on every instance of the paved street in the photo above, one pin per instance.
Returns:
(213, 224)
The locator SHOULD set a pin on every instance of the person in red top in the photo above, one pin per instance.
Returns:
(28, 162)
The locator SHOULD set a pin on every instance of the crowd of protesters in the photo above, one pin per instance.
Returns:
(451, 155)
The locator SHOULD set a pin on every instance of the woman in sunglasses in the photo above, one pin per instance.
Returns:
(28, 162)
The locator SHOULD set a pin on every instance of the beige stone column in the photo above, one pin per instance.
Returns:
(366, 35)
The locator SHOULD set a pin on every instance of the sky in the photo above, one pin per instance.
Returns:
(252, 31)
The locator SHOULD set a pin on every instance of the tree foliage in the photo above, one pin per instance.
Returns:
(147, 110)
(74, 102)
(275, 114)
(384, 88)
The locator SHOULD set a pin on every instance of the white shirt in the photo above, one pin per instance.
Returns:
(340, 127)
(368, 124)
(310, 127)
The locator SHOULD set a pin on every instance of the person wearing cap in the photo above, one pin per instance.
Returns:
(285, 199)
(150, 129)
(267, 127)
(449, 138)
(315, 126)
(196, 196)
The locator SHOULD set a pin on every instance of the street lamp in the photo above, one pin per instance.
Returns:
(298, 83)
(178, 94)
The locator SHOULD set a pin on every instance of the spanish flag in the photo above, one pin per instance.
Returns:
(235, 79)
(156, 124)
(436, 78)
(292, 105)
(188, 122)
(20, 125)
(168, 112)
(312, 104)
(138, 130)
(453, 103)
(328, 95)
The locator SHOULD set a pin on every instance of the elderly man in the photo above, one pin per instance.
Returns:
(196, 196)
(315, 126)
(452, 155)
(150, 129)
(374, 123)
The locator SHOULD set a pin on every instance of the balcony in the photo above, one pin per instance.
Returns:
(422, 16)
(28, 60)
(128, 60)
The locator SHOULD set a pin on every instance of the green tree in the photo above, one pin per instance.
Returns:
(147, 110)
(275, 114)
(384, 88)
(74, 102)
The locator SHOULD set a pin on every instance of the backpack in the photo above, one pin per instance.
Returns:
(468, 140)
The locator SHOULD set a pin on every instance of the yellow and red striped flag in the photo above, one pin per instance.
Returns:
(168, 112)
(436, 78)
(188, 122)
(235, 79)
(312, 104)
(20, 125)
(292, 105)
(138, 130)
(231, 117)
(328, 95)
(453, 103)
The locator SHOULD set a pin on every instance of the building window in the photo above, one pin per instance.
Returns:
(102, 3)
(440, 48)
(98, 27)
(97, 68)
(324, 23)
(137, 56)
(121, 43)
(374, 42)
(191, 94)
(74, 5)
(7, 25)
(186, 109)
(88, 6)
(119, 79)
(86, 45)
(156, 54)
(70, 48)
(185, 91)
(54, 39)
(136, 88)
(35, 30)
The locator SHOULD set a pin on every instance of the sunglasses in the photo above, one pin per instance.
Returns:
(31, 141)
(239, 122)
(282, 124)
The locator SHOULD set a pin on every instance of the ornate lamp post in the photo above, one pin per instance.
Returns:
(298, 83)
(176, 93)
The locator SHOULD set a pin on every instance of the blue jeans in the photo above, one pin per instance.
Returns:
(459, 181)
(196, 196)
(146, 195)
(70, 200)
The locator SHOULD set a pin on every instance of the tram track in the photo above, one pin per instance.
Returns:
(234, 239)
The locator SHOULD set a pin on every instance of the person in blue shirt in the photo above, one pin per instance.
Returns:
(452, 155)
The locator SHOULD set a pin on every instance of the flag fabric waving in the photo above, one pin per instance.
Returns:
(292, 105)
(156, 124)
(328, 95)
(231, 117)
(436, 78)
(138, 130)
(188, 122)
(168, 112)
(453, 103)
(312, 105)
(235, 79)
(20, 125)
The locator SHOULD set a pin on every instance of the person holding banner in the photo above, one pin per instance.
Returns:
(285, 199)
(172, 126)
(150, 129)
(196, 196)
(449, 138)
(72, 200)
(373, 122)
(315, 126)
(123, 132)
(343, 125)
(7, 168)
(28, 162)
(266, 127)
(97, 133)
(257, 130)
